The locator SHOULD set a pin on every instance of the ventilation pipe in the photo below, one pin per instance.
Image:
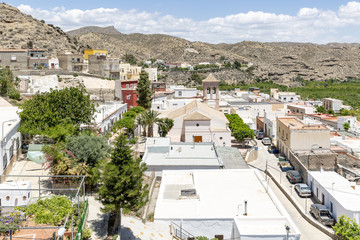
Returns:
(245, 207)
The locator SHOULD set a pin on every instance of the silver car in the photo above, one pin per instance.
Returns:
(303, 190)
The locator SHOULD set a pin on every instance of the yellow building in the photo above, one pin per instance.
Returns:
(98, 52)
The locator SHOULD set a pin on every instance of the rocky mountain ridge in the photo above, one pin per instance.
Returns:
(21, 31)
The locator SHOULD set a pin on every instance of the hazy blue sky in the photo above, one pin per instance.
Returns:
(317, 21)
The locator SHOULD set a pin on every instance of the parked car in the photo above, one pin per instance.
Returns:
(285, 166)
(294, 176)
(282, 159)
(266, 141)
(273, 149)
(259, 135)
(322, 214)
(303, 190)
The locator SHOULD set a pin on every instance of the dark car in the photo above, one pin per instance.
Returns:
(322, 214)
(273, 149)
(303, 190)
(294, 176)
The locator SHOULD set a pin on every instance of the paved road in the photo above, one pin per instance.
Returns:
(308, 232)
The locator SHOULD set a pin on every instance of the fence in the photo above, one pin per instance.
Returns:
(82, 222)
(180, 233)
(23, 190)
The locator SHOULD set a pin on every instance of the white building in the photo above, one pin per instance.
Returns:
(332, 104)
(107, 114)
(198, 122)
(270, 123)
(227, 204)
(14, 194)
(339, 195)
(177, 103)
(152, 74)
(54, 63)
(10, 138)
(346, 119)
(161, 154)
(182, 92)
(288, 97)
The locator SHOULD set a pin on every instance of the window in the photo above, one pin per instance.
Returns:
(4, 161)
(134, 85)
(197, 124)
(17, 143)
(131, 85)
(11, 151)
(180, 93)
(128, 97)
(24, 198)
(221, 138)
(331, 207)
(127, 85)
(28, 194)
(7, 198)
(158, 107)
(13, 58)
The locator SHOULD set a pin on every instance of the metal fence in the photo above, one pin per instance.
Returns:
(24, 190)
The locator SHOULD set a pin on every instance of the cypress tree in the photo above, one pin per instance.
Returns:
(143, 91)
(122, 181)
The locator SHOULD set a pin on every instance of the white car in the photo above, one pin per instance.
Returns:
(266, 141)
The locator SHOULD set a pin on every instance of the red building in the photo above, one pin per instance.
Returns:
(128, 91)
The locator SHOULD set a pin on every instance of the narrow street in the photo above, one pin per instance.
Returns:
(308, 231)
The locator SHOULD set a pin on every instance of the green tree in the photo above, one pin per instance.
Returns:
(164, 126)
(122, 181)
(320, 109)
(56, 110)
(150, 117)
(346, 126)
(129, 58)
(330, 112)
(8, 84)
(347, 229)
(143, 91)
(88, 148)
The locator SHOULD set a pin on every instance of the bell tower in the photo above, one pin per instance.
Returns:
(211, 90)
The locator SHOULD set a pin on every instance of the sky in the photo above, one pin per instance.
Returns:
(228, 21)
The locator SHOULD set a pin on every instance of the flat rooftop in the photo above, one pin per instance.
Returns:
(218, 195)
(294, 123)
(6, 114)
(341, 190)
(162, 152)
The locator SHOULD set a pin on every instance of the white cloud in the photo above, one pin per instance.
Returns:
(308, 25)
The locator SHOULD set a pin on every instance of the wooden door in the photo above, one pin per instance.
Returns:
(198, 139)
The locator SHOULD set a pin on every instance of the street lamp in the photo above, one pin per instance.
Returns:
(2, 133)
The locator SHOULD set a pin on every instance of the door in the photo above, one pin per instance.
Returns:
(52, 65)
(198, 139)
(323, 199)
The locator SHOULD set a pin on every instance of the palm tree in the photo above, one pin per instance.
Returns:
(150, 117)
(140, 120)
(165, 125)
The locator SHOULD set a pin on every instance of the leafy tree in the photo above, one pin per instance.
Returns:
(49, 210)
(88, 148)
(8, 84)
(320, 109)
(330, 111)
(164, 126)
(129, 58)
(345, 112)
(122, 181)
(346, 126)
(347, 229)
(238, 128)
(143, 91)
(54, 111)
(237, 65)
